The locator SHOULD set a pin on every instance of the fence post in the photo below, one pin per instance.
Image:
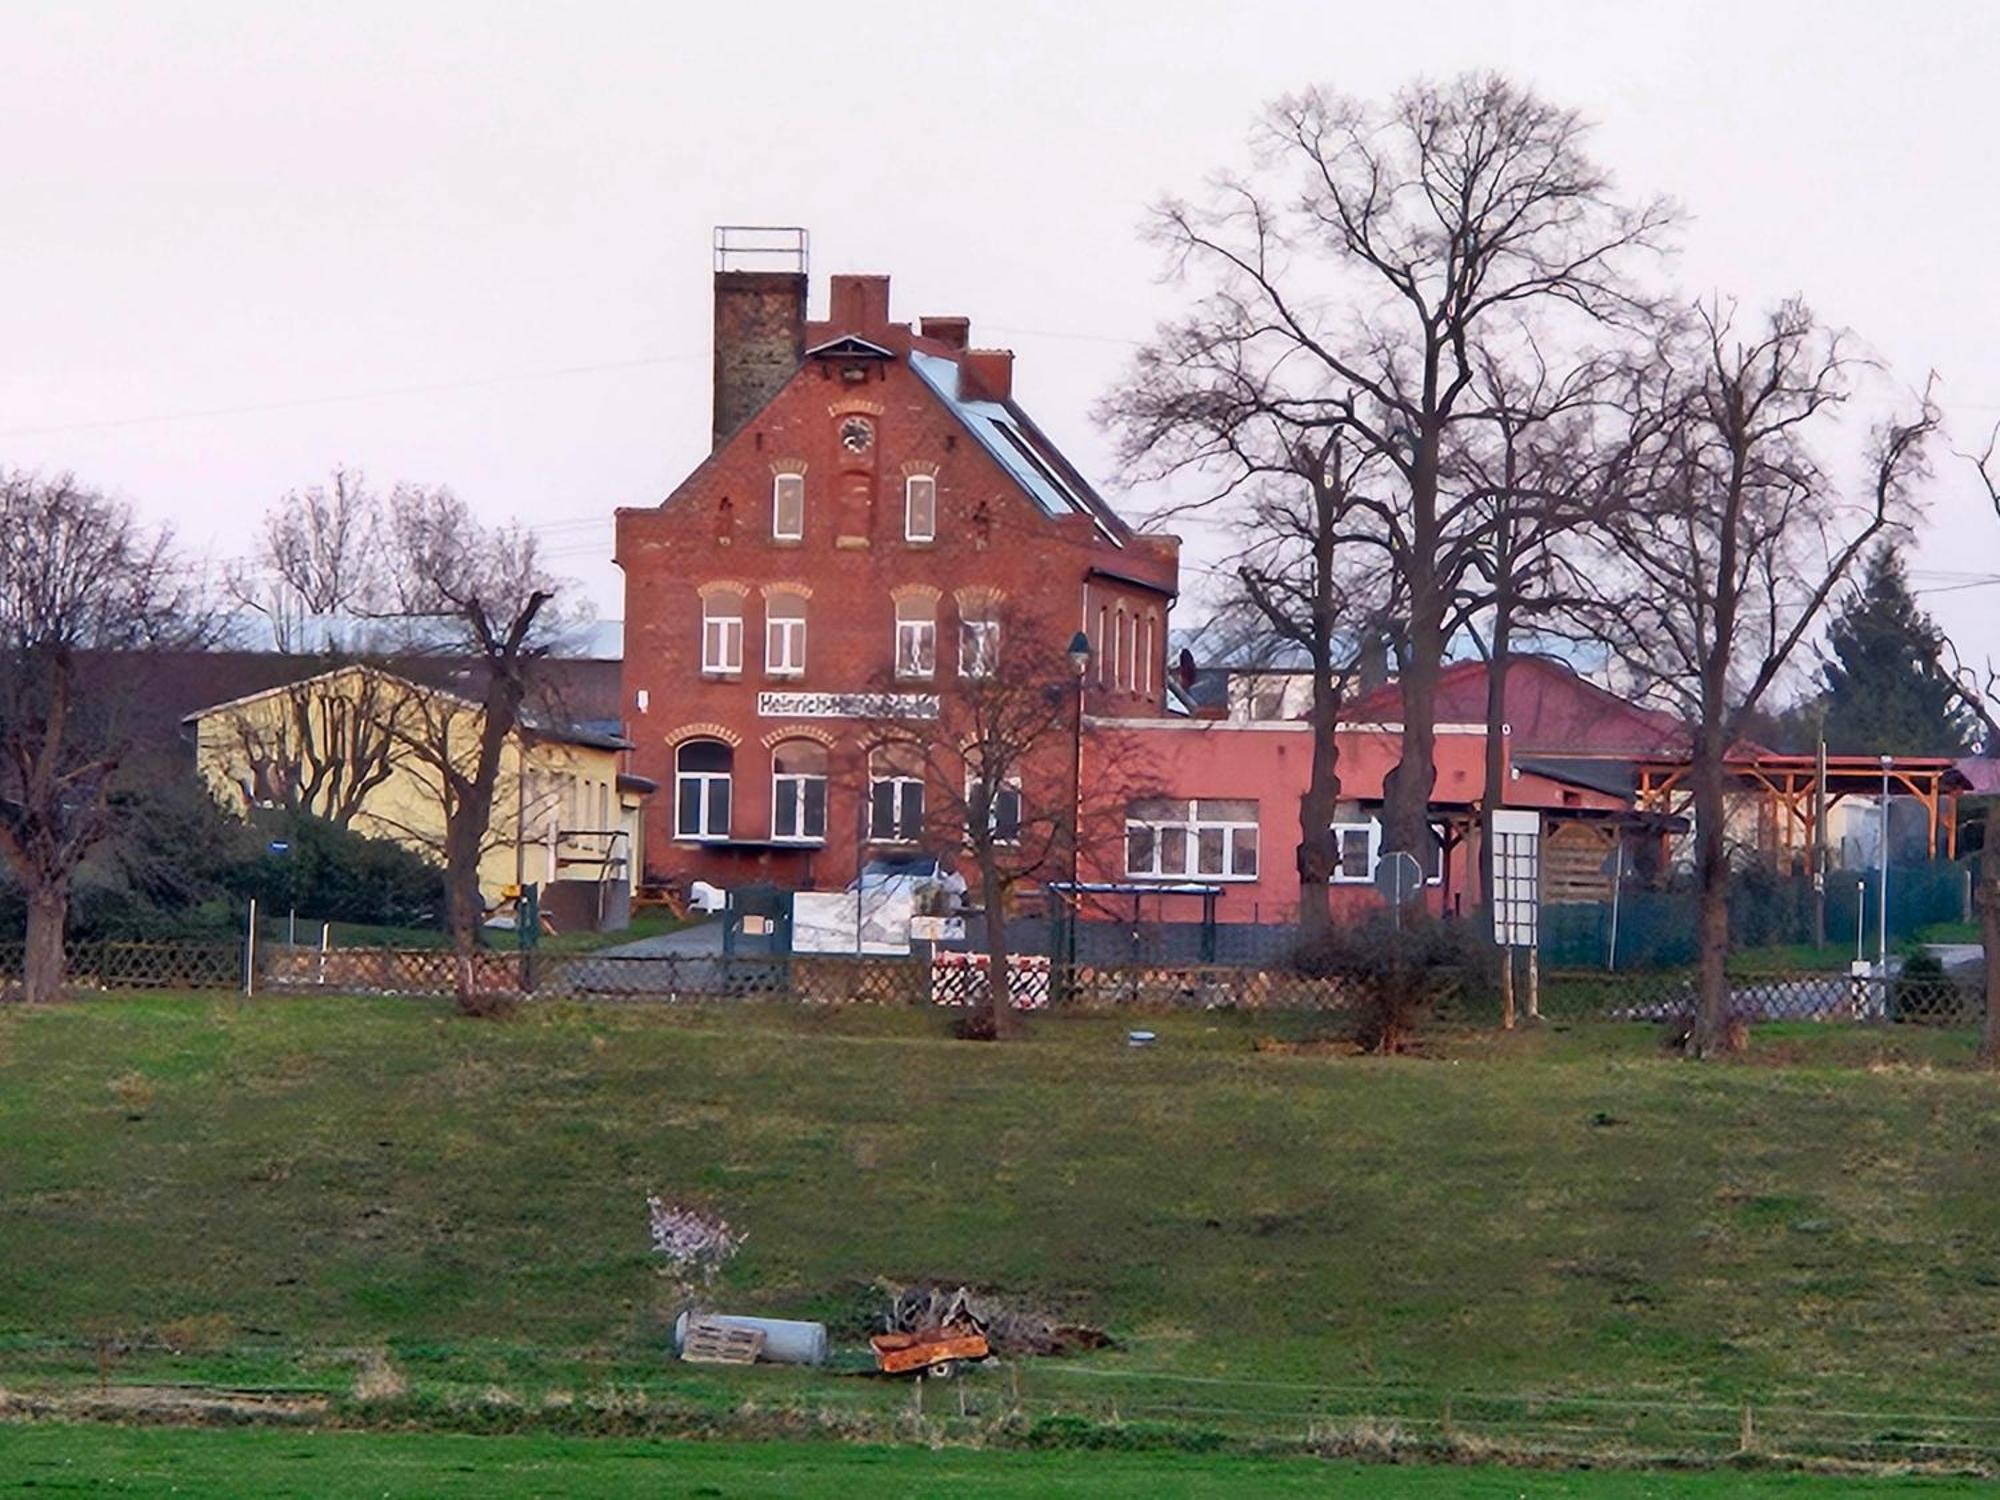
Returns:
(250, 952)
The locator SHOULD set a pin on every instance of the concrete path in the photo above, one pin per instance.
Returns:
(704, 940)
(1957, 957)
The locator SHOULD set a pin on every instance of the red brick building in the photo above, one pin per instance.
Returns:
(876, 505)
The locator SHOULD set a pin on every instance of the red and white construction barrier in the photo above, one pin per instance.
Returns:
(956, 977)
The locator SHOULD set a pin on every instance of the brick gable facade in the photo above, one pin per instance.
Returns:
(859, 523)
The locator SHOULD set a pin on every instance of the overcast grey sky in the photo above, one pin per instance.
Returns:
(469, 243)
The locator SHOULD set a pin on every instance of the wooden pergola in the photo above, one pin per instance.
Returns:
(1793, 796)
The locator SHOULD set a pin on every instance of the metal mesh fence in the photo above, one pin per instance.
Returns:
(1657, 929)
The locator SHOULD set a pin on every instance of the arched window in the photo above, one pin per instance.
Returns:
(1104, 645)
(916, 637)
(1121, 664)
(721, 633)
(1147, 656)
(701, 789)
(920, 508)
(896, 795)
(785, 635)
(788, 507)
(798, 792)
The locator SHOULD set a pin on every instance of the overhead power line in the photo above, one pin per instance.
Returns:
(381, 393)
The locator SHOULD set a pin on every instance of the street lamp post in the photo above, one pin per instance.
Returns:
(1079, 659)
(1882, 891)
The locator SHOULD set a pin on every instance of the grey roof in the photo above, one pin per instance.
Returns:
(250, 631)
(1005, 432)
(1612, 777)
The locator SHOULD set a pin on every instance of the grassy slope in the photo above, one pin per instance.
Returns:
(1564, 1213)
(336, 1465)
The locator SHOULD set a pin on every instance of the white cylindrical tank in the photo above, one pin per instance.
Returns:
(785, 1342)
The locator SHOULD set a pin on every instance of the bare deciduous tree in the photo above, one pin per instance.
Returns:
(1738, 538)
(78, 576)
(479, 593)
(1292, 581)
(1551, 458)
(448, 600)
(1350, 280)
(330, 743)
(998, 779)
(314, 560)
(1982, 695)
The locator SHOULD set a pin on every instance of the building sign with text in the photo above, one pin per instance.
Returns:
(847, 706)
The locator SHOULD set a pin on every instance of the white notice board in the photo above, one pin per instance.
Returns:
(1517, 877)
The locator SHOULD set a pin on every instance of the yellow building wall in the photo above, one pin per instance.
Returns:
(557, 810)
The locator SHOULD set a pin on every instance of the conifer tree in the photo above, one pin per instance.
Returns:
(1888, 691)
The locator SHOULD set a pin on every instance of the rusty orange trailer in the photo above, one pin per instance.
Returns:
(929, 1351)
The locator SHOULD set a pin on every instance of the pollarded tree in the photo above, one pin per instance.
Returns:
(446, 598)
(1346, 285)
(79, 576)
(479, 595)
(1737, 539)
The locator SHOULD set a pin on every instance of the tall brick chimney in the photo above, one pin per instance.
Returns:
(760, 319)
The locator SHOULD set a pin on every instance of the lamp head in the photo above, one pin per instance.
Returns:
(1079, 653)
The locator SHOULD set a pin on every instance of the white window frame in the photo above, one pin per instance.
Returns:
(899, 832)
(784, 640)
(978, 646)
(705, 832)
(911, 485)
(788, 791)
(721, 636)
(1011, 786)
(780, 484)
(916, 647)
(1373, 828)
(1190, 824)
(1372, 831)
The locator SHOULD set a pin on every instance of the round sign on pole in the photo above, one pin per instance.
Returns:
(1398, 877)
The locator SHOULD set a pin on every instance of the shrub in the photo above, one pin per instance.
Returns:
(339, 875)
(1401, 975)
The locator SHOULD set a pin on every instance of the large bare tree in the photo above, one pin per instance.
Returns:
(80, 578)
(1738, 537)
(1346, 283)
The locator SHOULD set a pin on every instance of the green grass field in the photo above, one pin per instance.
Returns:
(336, 1466)
(1561, 1242)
